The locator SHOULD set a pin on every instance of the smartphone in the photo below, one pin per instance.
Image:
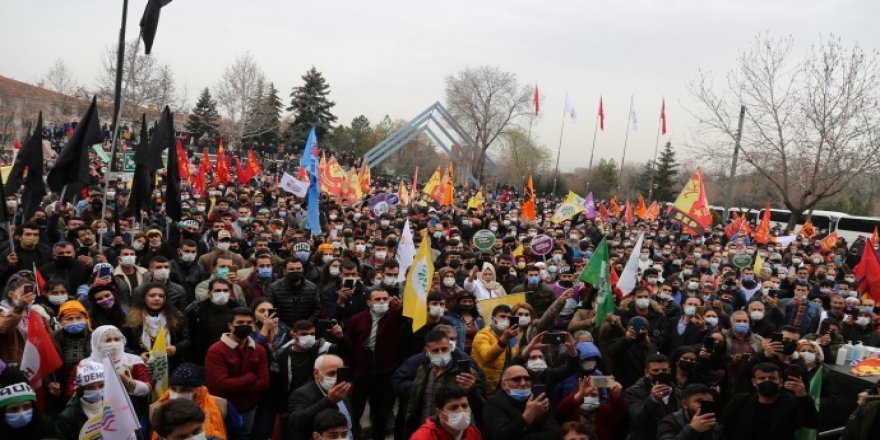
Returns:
(746, 357)
(708, 407)
(709, 343)
(602, 381)
(776, 337)
(664, 378)
(538, 389)
(553, 339)
(104, 271)
(793, 371)
(343, 374)
(773, 293)
(348, 283)
(82, 250)
(463, 366)
(514, 321)
(27, 289)
(636, 325)
(273, 312)
(323, 325)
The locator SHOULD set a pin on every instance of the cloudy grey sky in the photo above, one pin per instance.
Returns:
(391, 56)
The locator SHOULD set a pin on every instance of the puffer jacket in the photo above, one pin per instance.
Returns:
(431, 430)
(491, 356)
(295, 303)
(863, 421)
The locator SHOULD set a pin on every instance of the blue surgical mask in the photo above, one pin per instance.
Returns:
(93, 396)
(534, 279)
(264, 272)
(222, 272)
(75, 328)
(19, 420)
(520, 395)
(741, 327)
(303, 256)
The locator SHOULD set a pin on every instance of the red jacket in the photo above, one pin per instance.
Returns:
(430, 431)
(384, 358)
(237, 372)
(607, 416)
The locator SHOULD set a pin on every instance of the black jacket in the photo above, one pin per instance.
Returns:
(644, 413)
(503, 420)
(304, 404)
(295, 303)
(201, 336)
(787, 414)
(675, 427)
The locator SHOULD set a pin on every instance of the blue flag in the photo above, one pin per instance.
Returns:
(313, 219)
(309, 160)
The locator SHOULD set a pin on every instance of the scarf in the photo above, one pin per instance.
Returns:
(152, 324)
(214, 426)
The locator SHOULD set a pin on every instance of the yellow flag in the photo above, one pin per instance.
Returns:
(476, 201)
(418, 284)
(403, 194)
(158, 364)
(433, 184)
(570, 207)
(759, 263)
(485, 306)
(518, 251)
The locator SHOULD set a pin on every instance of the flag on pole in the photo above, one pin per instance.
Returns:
(150, 21)
(72, 164)
(759, 264)
(628, 213)
(830, 242)
(364, 178)
(418, 284)
(182, 161)
(199, 184)
(762, 232)
(536, 99)
(570, 207)
(406, 251)
(432, 184)
(449, 188)
(313, 216)
(876, 235)
(403, 194)
(413, 190)
(601, 114)
(630, 275)
(597, 273)
(158, 364)
(868, 271)
(528, 206)
(240, 173)
(294, 186)
(663, 117)
(569, 109)
(40, 358)
(222, 168)
(590, 207)
(120, 422)
(165, 134)
(27, 172)
(641, 209)
(807, 230)
(815, 395)
(691, 208)
(309, 159)
(253, 164)
(632, 114)
(614, 206)
(653, 211)
(40, 279)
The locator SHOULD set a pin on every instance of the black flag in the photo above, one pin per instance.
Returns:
(142, 181)
(72, 164)
(150, 21)
(172, 170)
(29, 158)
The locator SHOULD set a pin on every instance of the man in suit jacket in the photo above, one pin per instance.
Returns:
(315, 396)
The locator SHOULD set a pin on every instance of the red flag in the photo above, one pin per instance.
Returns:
(663, 117)
(41, 281)
(222, 174)
(69, 133)
(762, 233)
(253, 164)
(182, 162)
(603, 212)
(691, 208)
(868, 271)
(537, 100)
(242, 175)
(601, 115)
(204, 167)
(876, 236)
(17, 145)
(628, 213)
(40, 357)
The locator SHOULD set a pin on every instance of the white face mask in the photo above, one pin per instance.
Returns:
(643, 303)
(536, 365)
(390, 280)
(220, 298)
(333, 271)
(501, 324)
(188, 257)
(448, 282)
(693, 285)
(524, 321)
(379, 308)
(436, 311)
(712, 321)
(138, 246)
(458, 421)
(380, 255)
(863, 321)
(112, 349)
(223, 246)
(590, 403)
(58, 299)
(127, 260)
(161, 274)
(690, 310)
(306, 342)
(359, 248)
(756, 315)
(328, 382)
(808, 357)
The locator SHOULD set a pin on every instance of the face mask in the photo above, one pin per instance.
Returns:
(590, 404)
(588, 365)
(58, 299)
(643, 303)
(19, 420)
(161, 274)
(113, 349)
(850, 279)
(521, 265)
(536, 365)
(102, 231)
(328, 382)
(379, 308)
(75, 328)
(264, 272)
(175, 395)
(690, 311)
(242, 331)
(441, 360)
(389, 280)
(107, 303)
(93, 396)
(863, 321)
(756, 316)
(448, 282)
(333, 271)
(223, 246)
(458, 421)
(305, 342)
(502, 324)
(520, 395)
(712, 321)
(219, 298)
(137, 246)
(768, 389)
(808, 357)
(534, 279)
(380, 255)
(686, 366)
(436, 311)
(188, 257)
(741, 327)
(693, 285)
(127, 260)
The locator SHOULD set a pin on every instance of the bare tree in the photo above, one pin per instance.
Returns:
(520, 157)
(59, 78)
(236, 90)
(146, 82)
(810, 125)
(487, 102)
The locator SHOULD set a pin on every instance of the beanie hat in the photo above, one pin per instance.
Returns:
(187, 375)
(14, 387)
(71, 308)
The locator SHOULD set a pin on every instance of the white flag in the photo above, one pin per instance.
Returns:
(630, 275)
(120, 421)
(406, 251)
(294, 186)
(632, 115)
(569, 109)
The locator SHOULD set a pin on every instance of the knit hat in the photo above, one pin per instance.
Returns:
(14, 387)
(71, 308)
(187, 375)
(88, 372)
(325, 248)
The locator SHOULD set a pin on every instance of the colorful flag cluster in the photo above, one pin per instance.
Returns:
(691, 208)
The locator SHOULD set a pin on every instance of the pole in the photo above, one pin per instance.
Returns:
(593, 150)
(728, 199)
(559, 148)
(625, 141)
(653, 162)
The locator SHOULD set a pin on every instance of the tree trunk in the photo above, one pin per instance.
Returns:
(797, 215)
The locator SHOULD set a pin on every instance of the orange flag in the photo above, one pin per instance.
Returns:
(335, 176)
(830, 242)
(615, 208)
(691, 208)
(653, 211)
(641, 209)
(182, 162)
(628, 213)
(876, 236)
(528, 207)
(413, 190)
(364, 178)
(323, 174)
(762, 232)
(449, 188)
(403, 194)
(222, 169)
(253, 164)
(808, 230)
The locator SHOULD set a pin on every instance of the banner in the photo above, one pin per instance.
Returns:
(485, 306)
(418, 284)
(691, 208)
(158, 364)
(570, 207)
(294, 186)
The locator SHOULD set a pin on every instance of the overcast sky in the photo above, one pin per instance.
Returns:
(391, 57)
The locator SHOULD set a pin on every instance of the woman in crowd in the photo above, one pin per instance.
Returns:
(482, 283)
(73, 342)
(54, 293)
(22, 419)
(104, 307)
(467, 321)
(149, 315)
(18, 297)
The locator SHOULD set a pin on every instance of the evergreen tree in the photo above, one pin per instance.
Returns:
(666, 175)
(204, 117)
(311, 107)
(272, 107)
(604, 179)
(640, 183)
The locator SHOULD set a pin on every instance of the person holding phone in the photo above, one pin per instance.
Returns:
(18, 298)
(326, 392)
(495, 345)
(651, 398)
(514, 412)
(697, 418)
(599, 408)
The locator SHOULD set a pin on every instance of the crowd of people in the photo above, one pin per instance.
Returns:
(274, 332)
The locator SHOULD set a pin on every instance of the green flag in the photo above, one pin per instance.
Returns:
(598, 273)
(814, 393)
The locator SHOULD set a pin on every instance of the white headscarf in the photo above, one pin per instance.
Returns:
(98, 335)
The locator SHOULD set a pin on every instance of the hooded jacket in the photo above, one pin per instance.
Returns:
(431, 430)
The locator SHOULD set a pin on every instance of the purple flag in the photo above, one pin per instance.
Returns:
(589, 207)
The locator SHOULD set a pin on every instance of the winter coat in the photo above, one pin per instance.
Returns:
(504, 421)
(431, 430)
(491, 356)
(644, 413)
(237, 372)
(294, 303)
(675, 427)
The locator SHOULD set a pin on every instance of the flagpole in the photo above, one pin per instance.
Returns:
(592, 151)
(656, 145)
(625, 140)
(559, 148)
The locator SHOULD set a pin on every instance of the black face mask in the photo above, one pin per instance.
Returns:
(241, 331)
(455, 264)
(64, 261)
(566, 284)
(686, 366)
(296, 278)
(768, 389)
